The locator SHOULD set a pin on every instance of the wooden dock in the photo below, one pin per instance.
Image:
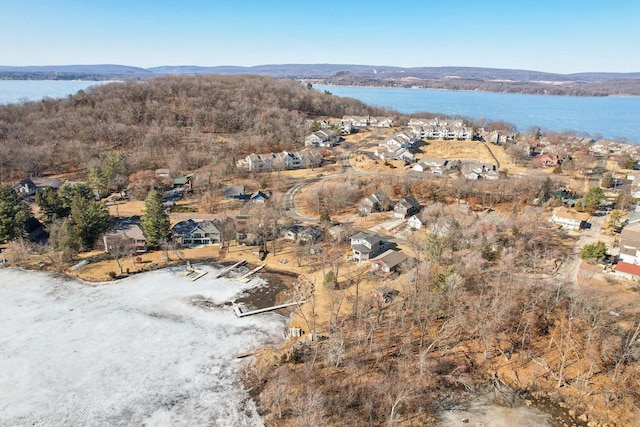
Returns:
(247, 276)
(240, 313)
(191, 273)
(227, 270)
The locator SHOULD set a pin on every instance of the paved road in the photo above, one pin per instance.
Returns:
(288, 201)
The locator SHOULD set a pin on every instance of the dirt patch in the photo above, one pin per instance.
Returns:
(273, 292)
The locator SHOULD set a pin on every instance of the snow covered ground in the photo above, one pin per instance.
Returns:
(133, 352)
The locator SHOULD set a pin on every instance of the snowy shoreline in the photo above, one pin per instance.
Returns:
(136, 351)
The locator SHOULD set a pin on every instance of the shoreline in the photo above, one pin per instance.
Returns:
(148, 336)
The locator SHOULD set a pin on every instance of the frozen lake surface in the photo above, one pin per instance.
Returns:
(133, 352)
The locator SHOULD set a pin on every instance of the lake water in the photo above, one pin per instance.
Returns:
(34, 90)
(600, 117)
(138, 351)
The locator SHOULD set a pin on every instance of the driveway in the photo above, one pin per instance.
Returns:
(571, 267)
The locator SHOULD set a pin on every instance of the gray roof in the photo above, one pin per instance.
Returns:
(408, 202)
(233, 190)
(390, 258)
(186, 228)
(259, 195)
(361, 248)
(129, 228)
(371, 238)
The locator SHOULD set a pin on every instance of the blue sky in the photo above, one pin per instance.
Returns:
(562, 36)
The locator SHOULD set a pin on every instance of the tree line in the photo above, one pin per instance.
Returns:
(183, 122)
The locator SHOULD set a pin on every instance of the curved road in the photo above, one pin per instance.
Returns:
(288, 200)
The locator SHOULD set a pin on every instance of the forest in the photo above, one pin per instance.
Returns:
(179, 122)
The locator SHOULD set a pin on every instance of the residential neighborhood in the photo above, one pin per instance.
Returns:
(362, 215)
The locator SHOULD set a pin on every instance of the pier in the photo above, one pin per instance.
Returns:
(240, 313)
(192, 273)
(247, 276)
(227, 270)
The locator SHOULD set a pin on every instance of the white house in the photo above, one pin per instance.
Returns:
(415, 222)
(280, 161)
(569, 219)
(320, 138)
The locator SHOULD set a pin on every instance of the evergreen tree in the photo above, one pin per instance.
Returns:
(593, 252)
(155, 221)
(591, 201)
(98, 181)
(90, 219)
(63, 238)
(14, 214)
(50, 204)
(115, 171)
(57, 204)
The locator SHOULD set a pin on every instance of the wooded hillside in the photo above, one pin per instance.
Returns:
(183, 122)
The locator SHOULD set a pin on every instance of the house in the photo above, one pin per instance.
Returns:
(280, 161)
(310, 235)
(401, 140)
(191, 233)
(321, 138)
(476, 170)
(376, 202)
(291, 232)
(441, 129)
(388, 261)
(356, 121)
(258, 197)
(406, 207)
(128, 235)
(170, 197)
(415, 222)
(404, 154)
(630, 244)
(347, 127)
(498, 138)
(569, 219)
(43, 182)
(381, 122)
(302, 234)
(435, 165)
(421, 167)
(184, 182)
(366, 246)
(24, 188)
(628, 271)
(163, 173)
(231, 192)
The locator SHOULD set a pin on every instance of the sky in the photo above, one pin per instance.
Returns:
(562, 36)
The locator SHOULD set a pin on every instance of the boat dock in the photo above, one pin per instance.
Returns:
(227, 270)
(240, 313)
(247, 276)
(192, 273)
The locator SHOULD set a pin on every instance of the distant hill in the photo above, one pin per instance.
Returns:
(454, 78)
(94, 69)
